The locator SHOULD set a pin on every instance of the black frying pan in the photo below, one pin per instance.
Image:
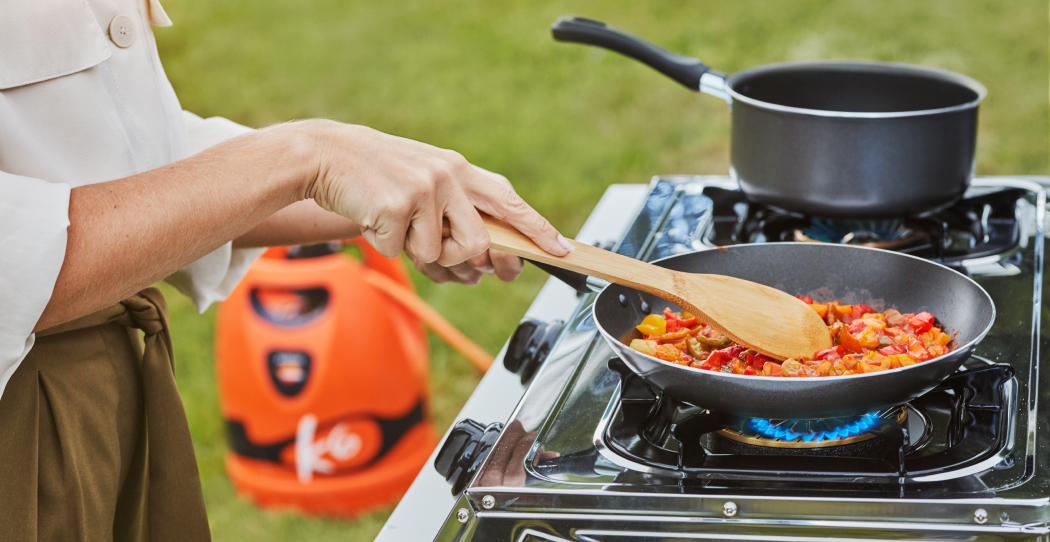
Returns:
(879, 278)
(835, 139)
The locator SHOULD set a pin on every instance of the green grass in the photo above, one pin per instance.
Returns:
(561, 121)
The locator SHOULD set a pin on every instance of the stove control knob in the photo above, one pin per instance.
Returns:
(530, 345)
(464, 451)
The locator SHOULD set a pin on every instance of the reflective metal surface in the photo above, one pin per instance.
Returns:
(550, 477)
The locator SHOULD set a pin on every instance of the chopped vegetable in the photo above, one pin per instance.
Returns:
(653, 325)
(720, 342)
(867, 341)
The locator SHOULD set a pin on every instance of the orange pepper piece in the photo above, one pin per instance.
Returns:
(822, 310)
(849, 341)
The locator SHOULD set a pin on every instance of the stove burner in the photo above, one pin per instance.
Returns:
(887, 234)
(812, 433)
(988, 223)
(956, 424)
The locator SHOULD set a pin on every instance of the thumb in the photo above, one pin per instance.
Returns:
(501, 201)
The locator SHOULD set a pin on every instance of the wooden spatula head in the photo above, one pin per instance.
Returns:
(758, 317)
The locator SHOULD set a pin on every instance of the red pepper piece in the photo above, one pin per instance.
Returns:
(805, 299)
(894, 350)
(750, 371)
(920, 325)
(733, 351)
(833, 350)
(861, 309)
(758, 360)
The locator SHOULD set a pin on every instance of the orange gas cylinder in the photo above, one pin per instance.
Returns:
(322, 382)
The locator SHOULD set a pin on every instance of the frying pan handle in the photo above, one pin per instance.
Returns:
(577, 281)
(691, 72)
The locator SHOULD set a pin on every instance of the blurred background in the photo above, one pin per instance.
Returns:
(562, 122)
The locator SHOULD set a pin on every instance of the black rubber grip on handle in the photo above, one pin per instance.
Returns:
(576, 281)
(686, 70)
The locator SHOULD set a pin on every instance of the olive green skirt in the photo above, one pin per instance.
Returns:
(94, 443)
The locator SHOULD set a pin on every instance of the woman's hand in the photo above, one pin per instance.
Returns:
(399, 191)
(505, 266)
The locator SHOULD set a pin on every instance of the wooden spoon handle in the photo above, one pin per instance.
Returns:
(586, 259)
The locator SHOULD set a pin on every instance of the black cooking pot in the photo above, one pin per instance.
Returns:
(833, 139)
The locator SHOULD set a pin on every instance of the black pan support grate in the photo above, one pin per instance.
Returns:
(962, 422)
(983, 225)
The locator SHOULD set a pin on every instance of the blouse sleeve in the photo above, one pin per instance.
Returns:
(214, 276)
(34, 215)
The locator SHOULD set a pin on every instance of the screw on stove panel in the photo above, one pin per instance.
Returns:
(488, 501)
(729, 509)
(980, 516)
(462, 515)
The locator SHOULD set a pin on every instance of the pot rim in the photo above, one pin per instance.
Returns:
(894, 67)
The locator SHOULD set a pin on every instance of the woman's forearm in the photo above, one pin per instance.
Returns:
(129, 233)
(301, 223)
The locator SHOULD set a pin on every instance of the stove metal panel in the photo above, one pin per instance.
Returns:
(549, 477)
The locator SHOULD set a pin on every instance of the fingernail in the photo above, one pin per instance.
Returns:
(565, 243)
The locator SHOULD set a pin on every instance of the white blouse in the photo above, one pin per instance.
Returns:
(84, 99)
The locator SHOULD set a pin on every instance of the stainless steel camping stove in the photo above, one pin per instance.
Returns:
(592, 454)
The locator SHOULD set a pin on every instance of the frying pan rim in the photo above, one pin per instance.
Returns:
(946, 75)
(970, 345)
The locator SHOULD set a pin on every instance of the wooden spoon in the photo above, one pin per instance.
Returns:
(758, 317)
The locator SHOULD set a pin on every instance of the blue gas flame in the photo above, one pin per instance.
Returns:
(782, 430)
(863, 231)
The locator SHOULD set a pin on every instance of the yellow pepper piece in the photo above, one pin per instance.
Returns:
(868, 338)
(654, 324)
(873, 322)
(643, 346)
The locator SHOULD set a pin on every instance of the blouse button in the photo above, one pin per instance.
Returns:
(122, 31)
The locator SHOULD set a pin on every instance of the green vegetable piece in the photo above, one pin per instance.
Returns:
(714, 343)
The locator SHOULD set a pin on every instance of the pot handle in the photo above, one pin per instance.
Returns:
(691, 72)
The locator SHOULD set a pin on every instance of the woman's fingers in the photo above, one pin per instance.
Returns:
(482, 262)
(469, 236)
(423, 240)
(492, 194)
(434, 272)
(387, 238)
(462, 273)
(505, 266)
